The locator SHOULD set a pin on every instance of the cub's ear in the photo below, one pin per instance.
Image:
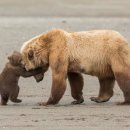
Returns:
(30, 54)
(15, 59)
(9, 58)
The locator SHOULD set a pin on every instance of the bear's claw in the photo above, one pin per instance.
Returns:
(77, 102)
(98, 100)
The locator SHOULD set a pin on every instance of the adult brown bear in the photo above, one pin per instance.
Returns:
(101, 53)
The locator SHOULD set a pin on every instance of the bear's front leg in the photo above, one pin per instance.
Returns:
(58, 88)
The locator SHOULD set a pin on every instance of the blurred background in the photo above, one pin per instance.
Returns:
(65, 8)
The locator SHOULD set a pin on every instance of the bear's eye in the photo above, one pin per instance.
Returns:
(30, 55)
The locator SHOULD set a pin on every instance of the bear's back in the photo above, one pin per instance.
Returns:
(95, 49)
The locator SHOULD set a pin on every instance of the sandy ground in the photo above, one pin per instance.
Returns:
(18, 23)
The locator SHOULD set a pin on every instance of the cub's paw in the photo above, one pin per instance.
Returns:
(16, 100)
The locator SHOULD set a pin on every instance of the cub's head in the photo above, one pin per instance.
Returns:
(35, 52)
(15, 59)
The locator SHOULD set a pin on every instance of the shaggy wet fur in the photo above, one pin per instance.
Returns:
(101, 53)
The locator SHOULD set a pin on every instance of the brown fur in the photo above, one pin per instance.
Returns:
(101, 53)
(9, 78)
(76, 84)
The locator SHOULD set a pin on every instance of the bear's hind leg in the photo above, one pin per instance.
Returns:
(121, 69)
(106, 90)
(76, 84)
(123, 80)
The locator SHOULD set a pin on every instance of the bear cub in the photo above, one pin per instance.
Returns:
(9, 88)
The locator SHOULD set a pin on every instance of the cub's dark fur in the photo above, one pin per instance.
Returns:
(9, 88)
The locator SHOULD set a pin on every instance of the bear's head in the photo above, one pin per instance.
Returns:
(15, 59)
(35, 52)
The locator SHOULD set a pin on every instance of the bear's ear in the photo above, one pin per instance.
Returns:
(30, 54)
(47, 40)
